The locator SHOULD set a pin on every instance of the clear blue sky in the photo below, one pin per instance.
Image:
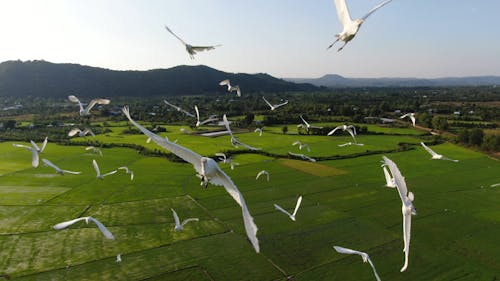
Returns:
(285, 38)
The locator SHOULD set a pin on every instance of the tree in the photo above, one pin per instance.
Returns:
(463, 136)
(249, 118)
(439, 123)
(476, 136)
(491, 143)
(284, 129)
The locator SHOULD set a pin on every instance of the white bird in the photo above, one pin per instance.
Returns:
(275, 106)
(94, 149)
(292, 216)
(350, 27)
(363, 255)
(179, 109)
(98, 172)
(35, 150)
(263, 172)
(234, 141)
(226, 160)
(209, 172)
(127, 171)
(389, 180)
(231, 88)
(119, 258)
(307, 125)
(198, 123)
(101, 227)
(349, 128)
(305, 157)
(411, 116)
(92, 103)
(81, 133)
(258, 130)
(407, 207)
(178, 225)
(350, 143)
(192, 50)
(435, 155)
(302, 145)
(58, 170)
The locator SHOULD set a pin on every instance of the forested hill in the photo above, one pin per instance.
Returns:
(41, 78)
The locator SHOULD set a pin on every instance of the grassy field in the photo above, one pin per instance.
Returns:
(454, 236)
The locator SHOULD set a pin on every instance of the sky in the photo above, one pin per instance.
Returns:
(285, 38)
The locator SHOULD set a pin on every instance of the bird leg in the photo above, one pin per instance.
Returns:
(331, 45)
(340, 49)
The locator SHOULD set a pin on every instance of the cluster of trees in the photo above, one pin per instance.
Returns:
(477, 138)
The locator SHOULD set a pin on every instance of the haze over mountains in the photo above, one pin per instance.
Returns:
(337, 81)
(45, 79)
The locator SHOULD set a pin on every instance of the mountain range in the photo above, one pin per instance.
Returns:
(337, 81)
(42, 78)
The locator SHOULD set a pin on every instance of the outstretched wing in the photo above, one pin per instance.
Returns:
(351, 133)
(103, 229)
(278, 207)
(189, 220)
(74, 132)
(376, 8)
(96, 167)
(50, 164)
(399, 180)
(197, 113)
(429, 150)
(44, 144)
(175, 35)
(343, 12)
(34, 145)
(204, 48)
(281, 104)
(373, 267)
(270, 105)
(250, 227)
(305, 122)
(96, 101)
(343, 250)
(297, 206)
(34, 158)
(110, 173)
(71, 172)
(182, 152)
(225, 82)
(176, 217)
(406, 238)
(334, 130)
(388, 178)
(65, 224)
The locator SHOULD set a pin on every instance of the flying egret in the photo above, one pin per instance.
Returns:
(92, 103)
(98, 172)
(178, 225)
(127, 171)
(349, 128)
(35, 150)
(411, 116)
(192, 50)
(209, 172)
(307, 125)
(80, 133)
(179, 109)
(234, 141)
(389, 180)
(407, 207)
(119, 258)
(302, 145)
(292, 216)
(305, 157)
(101, 226)
(258, 130)
(94, 149)
(226, 160)
(231, 88)
(350, 143)
(350, 27)
(275, 106)
(436, 156)
(58, 170)
(363, 255)
(198, 123)
(263, 172)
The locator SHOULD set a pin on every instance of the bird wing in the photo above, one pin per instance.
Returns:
(182, 152)
(226, 124)
(124, 168)
(399, 180)
(344, 144)
(73, 98)
(278, 207)
(413, 120)
(238, 91)
(375, 8)
(208, 121)
(351, 133)
(403, 116)
(71, 172)
(110, 173)
(248, 146)
(388, 178)
(34, 145)
(297, 206)
(334, 130)
(44, 144)
(23, 146)
(429, 150)
(406, 238)
(220, 154)
(65, 224)
(353, 128)
(96, 167)
(197, 113)
(103, 229)
(305, 122)
(188, 220)
(281, 104)
(171, 32)
(93, 102)
(50, 164)
(343, 12)
(267, 102)
(374, 270)
(260, 174)
(74, 132)
(225, 82)
(250, 227)
(204, 48)
(176, 217)
(176, 107)
(348, 251)
(88, 131)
